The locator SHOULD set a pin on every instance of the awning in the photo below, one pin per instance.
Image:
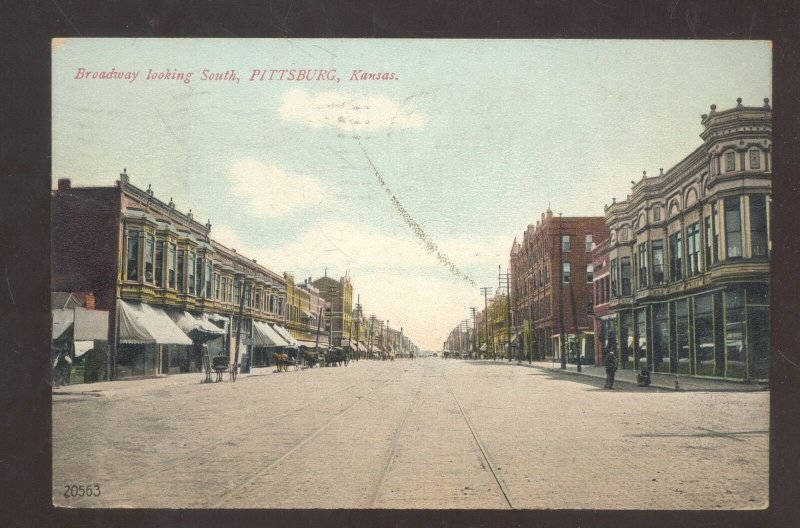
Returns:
(192, 324)
(307, 313)
(142, 323)
(82, 347)
(284, 333)
(483, 348)
(312, 344)
(265, 336)
(515, 340)
(362, 347)
(215, 317)
(86, 325)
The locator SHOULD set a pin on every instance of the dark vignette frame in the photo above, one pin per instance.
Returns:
(25, 451)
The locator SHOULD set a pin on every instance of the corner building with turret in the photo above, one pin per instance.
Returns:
(689, 255)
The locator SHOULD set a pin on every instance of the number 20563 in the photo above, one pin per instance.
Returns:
(81, 490)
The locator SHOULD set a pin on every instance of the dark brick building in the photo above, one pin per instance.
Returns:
(551, 285)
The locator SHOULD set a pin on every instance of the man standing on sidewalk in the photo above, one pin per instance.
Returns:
(611, 368)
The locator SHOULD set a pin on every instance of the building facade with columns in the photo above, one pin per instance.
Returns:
(689, 254)
(171, 289)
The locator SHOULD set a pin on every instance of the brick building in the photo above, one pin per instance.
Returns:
(551, 285)
(604, 320)
(689, 256)
(169, 287)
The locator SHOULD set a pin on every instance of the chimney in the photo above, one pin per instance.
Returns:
(90, 301)
(64, 184)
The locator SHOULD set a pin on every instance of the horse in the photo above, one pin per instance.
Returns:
(310, 358)
(282, 362)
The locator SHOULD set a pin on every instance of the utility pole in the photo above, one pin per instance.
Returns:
(371, 335)
(505, 277)
(561, 293)
(485, 291)
(358, 321)
(235, 367)
(474, 330)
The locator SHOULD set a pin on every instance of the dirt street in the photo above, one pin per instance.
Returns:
(429, 433)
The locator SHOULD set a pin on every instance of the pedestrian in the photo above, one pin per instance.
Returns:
(611, 368)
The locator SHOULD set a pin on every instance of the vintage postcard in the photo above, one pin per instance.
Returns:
(411, 274)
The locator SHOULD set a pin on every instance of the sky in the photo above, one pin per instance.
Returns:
(414, 181)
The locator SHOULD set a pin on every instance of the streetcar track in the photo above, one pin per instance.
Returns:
(185, 457)
(489, 463)
(393, 447)
(265, 469)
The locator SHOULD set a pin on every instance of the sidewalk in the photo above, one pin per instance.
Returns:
(660, 380)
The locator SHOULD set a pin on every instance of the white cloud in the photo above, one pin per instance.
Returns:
(269, 191)
(351, 114)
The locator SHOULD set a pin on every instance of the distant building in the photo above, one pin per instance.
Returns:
(338, 295)
(689, 256)
(551, 285)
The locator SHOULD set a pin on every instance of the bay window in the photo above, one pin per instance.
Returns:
(693, 253)
(132, 256)
(676, 256)
(658, 261)
(626, 276)
(159, 264)
(171, 266)
(733, 227)
(758, 225)
(643, 265)
(148, 258)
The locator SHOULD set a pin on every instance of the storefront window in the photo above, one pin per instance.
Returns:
(661, 361)
(758, 330)
(704, 335)
(625, 340)
(758, 225)
(132, 267)
(641, 337)
(608, 335)
(735, 362)
(733, 228)
(682, 336)
(676, 256)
